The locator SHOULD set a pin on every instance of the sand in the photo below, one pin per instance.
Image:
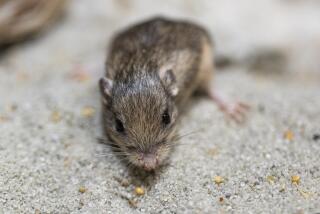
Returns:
(52, 162)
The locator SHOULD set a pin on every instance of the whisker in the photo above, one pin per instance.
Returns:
(189, 133)
(107, 141)
(129, 164)
(117, 152)
(102, 139)
(175, 141)
(109, 154)
(180, 136)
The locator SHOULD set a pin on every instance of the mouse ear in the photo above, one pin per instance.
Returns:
(105, 85)
(169, 80)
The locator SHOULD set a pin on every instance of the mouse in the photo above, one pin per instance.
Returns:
(151, 71)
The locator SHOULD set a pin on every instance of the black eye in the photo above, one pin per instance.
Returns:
(119, 126)
(166, 117)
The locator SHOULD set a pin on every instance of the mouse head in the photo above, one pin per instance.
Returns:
(140, 116)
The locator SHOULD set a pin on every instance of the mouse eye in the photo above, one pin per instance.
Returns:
(166, 117)
(119, 126)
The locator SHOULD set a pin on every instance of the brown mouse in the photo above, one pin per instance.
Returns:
(152, 69)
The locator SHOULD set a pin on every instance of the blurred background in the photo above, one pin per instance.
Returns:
(272, 36)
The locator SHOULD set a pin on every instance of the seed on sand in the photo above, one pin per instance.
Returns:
(212, 151)
(55, 116)
(271, 179)
(304, 193)
(288, 135)
(139, 191)
(295, 179)
(87, 111)
(82, 189)
(218, 180)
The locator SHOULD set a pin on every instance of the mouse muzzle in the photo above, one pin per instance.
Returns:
(148, 161)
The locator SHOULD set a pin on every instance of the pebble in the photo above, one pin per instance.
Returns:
(283, 188)
(125, 183)
(316, 137)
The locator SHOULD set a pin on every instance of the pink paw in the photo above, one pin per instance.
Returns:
(236, 111)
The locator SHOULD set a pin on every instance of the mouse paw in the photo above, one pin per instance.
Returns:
(233, 110)
(236, 111)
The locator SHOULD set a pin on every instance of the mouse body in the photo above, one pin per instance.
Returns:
(151, 70)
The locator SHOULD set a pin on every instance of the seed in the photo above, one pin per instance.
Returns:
(213, 151)
(304, 193)
(87, 111)
(288, 135)
(271, 179)
(82, 189)
(139, 191)
(55, 117)
(295, 179)
(218, 180)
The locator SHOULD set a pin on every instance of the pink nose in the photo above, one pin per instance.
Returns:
(149, 162)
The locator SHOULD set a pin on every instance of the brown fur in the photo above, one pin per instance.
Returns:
(153, 66)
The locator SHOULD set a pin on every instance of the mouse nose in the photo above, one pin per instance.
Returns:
(149, 162)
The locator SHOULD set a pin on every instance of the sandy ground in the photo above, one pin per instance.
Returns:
(50, 122)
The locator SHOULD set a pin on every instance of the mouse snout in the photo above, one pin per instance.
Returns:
(149, 161)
